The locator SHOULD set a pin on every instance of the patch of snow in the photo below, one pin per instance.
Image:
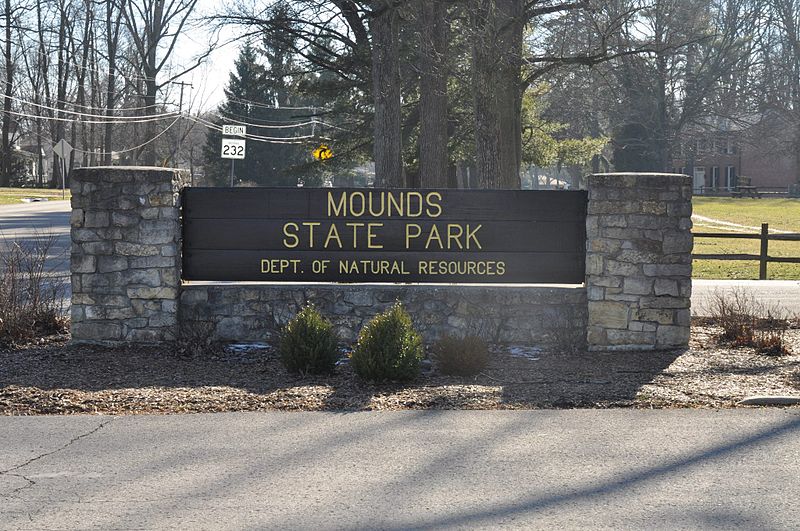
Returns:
(529, 353)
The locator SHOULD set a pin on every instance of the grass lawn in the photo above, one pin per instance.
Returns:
(781, 214)
(11, 196)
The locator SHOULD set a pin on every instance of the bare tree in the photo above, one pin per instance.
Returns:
(155, 27)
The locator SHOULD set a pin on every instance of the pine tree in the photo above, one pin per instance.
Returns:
(253, 95)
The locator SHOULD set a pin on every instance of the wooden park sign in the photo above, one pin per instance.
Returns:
(376, 235)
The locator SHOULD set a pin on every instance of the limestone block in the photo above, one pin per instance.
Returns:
(83, 263)
(124, 219)
(677, 242)
(641, 326)
(152, 293)
(76, 218)
(667, 270)
(96, 331)
(664, 301)
(94, 219)
(624, 269)
(108, 264)
(594, 264)
(667, 336)
(631, 337)
(638, 286)
(136, 249)
(665, 286)
(608, 314)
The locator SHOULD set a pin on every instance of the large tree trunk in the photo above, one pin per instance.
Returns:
(386, 93)
(433, 156)
(497, 88)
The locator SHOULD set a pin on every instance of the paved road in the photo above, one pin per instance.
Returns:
(30, 222)
(782, 293)
(611, 469)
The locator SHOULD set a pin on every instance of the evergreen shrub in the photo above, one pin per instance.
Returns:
(309, 344)
(388, 348)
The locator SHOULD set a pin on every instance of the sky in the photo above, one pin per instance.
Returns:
(210, 79)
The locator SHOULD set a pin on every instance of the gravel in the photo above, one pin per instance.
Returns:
(53, 377)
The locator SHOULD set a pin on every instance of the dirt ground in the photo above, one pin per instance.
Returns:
(52, 377)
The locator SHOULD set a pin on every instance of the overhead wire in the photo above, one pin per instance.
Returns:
(88, 115)
(73, 120)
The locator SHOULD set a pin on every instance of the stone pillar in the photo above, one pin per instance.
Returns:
(638, 261)
(125, 254)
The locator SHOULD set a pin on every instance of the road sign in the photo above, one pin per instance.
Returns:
(63, 149)
(323, 152)
(232, 148)
(234, 130)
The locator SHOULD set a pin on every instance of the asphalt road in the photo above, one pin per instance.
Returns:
(612, 469)
(36, 223)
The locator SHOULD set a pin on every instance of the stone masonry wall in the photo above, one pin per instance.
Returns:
(512, 314)
(125, 254)
(638, 261)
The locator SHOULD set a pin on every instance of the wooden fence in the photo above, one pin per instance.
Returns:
(763, 257)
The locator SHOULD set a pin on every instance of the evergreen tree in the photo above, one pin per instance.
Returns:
(254, 95)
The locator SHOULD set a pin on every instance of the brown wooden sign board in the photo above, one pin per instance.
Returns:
(388, 236)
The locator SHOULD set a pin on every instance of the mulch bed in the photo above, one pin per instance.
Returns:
(52, 377)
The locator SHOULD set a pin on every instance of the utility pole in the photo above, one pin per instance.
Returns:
(182, 84)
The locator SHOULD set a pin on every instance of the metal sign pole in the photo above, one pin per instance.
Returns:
(63, 178)
(233, 162)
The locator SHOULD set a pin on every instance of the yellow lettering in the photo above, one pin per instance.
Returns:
(409, 202)
(434, 235)
(409, 235)
(454, 233)
(292, 236)
(333, 234)
(371, 236)
(360, 212)
(434, 204)
(423, 268)
(311, 225)
(333, 208)
(471, 236)
(392, 200)
(372, 202)
(501, 268)
(355, 232)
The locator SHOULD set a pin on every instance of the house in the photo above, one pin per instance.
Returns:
(754, 150)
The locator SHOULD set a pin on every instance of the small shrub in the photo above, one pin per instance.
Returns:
(388, 348)
(31, 296)
(465, 356)
(308, 344)
(196, 338)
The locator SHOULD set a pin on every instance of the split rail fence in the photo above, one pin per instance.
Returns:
(763, 257)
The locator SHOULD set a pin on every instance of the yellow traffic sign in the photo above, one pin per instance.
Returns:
(323, 152)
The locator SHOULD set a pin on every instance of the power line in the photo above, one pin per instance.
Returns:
(133, 148)
(257, 138)
(261, 126)
(73, 120)
(266, 106)
(133, 119)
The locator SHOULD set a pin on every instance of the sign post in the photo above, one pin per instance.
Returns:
(63, 150)
(233, 148)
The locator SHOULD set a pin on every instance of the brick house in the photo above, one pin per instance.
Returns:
(756, 150)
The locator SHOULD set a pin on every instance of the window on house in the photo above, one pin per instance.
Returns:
(715, 177)
(730, 177)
